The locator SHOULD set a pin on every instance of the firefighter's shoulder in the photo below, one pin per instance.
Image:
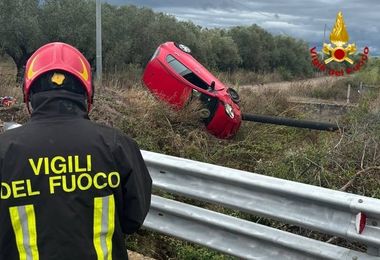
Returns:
(117, 134)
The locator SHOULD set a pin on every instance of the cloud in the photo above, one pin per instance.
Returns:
(280, 25)
(296, 18)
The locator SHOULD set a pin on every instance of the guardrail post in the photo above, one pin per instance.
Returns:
(361, 88)
(348, 93)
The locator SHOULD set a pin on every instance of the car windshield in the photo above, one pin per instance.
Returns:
(186, 73)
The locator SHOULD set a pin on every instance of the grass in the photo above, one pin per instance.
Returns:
(330, 160)
(347, 160)
(243, 77)
(334, 89)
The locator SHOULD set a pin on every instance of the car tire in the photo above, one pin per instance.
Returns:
(183, 48)
(234, 95)
(204, 113)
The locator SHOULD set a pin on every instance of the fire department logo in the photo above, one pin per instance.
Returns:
(339, 50)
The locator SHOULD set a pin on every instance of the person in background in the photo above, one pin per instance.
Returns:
(70, 188)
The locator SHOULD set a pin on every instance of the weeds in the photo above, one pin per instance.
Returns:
(348, 160)
(243, 77)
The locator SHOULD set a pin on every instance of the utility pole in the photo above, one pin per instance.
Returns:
(99, 67)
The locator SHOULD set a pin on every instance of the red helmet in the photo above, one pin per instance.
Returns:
(58, 56)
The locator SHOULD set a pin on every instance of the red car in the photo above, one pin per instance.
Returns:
(174, 76)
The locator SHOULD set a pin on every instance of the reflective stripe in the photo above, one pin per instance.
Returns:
(32, 231)
(104, 225)
(111, 225)
(24, 226)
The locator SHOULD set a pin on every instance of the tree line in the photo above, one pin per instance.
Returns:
(131, 34)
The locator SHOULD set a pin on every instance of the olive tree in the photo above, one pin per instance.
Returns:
(20, 31)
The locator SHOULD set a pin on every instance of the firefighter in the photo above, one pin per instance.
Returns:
(70, 188)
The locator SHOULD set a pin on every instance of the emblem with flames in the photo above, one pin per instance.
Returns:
(339, 50)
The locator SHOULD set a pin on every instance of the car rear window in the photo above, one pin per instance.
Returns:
(186, 73)
(177, 66)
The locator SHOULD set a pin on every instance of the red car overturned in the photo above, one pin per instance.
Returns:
(174, 76)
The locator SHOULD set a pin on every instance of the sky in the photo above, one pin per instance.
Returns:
(297, 18)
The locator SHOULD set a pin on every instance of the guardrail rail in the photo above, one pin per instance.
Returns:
(345, 215)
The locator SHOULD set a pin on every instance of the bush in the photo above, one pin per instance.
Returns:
(371, 73)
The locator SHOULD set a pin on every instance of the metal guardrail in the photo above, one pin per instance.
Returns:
(315, 208)
(237, 237)
(319, 209)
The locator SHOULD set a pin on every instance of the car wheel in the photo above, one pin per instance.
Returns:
(204, 113)
(183, 48)
(234, 95)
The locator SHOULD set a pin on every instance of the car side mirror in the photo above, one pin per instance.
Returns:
(212, 86)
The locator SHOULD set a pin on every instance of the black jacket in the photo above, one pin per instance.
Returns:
(70, 188)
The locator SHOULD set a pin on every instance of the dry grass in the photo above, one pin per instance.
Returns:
(305, 87)
(375, 105)
(267, 101)
(324, 159)
(129, 76)
(243, 77)
(9, 87)
(156, 126)
(327, 88)
(7, 67)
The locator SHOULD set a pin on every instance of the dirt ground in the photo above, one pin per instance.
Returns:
(287, 85)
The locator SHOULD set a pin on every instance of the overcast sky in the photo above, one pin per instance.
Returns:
(297, 18)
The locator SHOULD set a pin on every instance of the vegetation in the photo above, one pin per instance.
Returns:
(131, 34)
(20, 33)
(348, 160)
(371, 74)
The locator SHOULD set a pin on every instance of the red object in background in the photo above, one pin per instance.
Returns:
(174, 76)
(7, 101)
